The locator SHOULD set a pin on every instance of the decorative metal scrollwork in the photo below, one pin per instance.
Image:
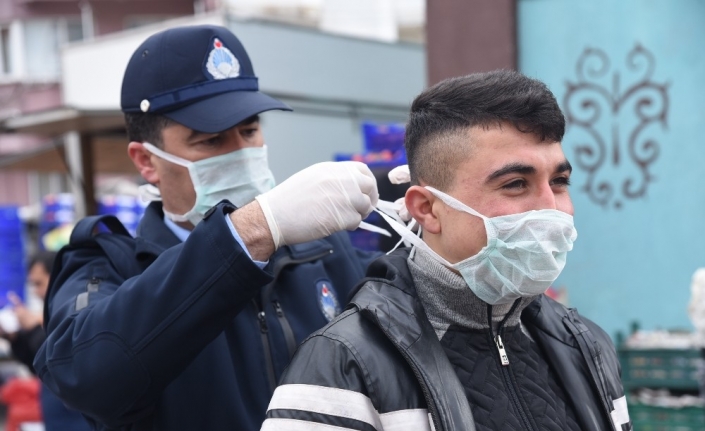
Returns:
(611, 129)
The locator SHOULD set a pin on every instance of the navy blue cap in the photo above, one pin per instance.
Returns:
(198, 76)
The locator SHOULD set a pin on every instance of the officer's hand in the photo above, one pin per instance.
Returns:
(320, 200)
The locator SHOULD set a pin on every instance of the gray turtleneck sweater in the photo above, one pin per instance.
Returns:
(448, 301)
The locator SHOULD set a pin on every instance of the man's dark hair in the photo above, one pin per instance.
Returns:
(441, 116)
(146, 127)
(44, 258)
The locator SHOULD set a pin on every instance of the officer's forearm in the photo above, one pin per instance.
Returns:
(252, 227)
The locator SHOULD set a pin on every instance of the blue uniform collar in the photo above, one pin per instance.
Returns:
(153, 235)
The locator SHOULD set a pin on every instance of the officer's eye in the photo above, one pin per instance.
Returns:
(248, 131)
(215, 140)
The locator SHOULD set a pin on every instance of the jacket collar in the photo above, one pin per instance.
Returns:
(389, 300)
(153, 236)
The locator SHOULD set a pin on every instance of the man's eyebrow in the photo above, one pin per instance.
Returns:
(512, 168)
(564, 166)
(196, 134)
(519, 168)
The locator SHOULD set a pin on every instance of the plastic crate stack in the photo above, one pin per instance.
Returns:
(662, 386)
(128, 209)
(12, 270)
(57, 219)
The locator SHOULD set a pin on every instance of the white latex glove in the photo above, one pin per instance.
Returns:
(401, 175)
(318, 201)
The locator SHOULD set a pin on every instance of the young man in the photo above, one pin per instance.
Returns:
(196, 337)
(456, 334)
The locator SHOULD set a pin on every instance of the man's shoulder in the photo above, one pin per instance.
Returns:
(550, 316)
(352, 329)
(357, 333)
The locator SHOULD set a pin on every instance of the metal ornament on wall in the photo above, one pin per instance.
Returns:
(613, 131)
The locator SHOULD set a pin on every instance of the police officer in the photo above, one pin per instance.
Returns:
(198, 339)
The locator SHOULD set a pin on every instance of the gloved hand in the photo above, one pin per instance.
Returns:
(401, 175)
(320, 200)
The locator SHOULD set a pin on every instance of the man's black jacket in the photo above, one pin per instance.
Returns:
(380, 365)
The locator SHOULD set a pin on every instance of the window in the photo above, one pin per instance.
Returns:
(5, 65)
(43, 39)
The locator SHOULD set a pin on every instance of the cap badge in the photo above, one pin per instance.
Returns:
(221, 62)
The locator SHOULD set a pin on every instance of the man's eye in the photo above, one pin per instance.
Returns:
(248, 132)
(215, 140)
(517, 184)
(561, 181)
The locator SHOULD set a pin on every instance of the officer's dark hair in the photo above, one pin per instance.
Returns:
(442, 115)
(44, 258)
(148, 127)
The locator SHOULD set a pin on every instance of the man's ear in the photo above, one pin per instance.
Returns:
(142, 159)
(419, 202)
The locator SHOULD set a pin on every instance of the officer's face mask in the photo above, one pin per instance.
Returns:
(238, 176)
(524, 254)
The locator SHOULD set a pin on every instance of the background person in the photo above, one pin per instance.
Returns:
(33, 397)
(26, 341)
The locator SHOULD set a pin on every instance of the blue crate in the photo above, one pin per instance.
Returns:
(383, 136)
(12, 270)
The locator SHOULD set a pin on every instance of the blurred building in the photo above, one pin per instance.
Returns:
(302, 51)
(32, 33)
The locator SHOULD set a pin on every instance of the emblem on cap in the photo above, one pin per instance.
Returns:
(328, 303)
(221, 62)
(144, 105)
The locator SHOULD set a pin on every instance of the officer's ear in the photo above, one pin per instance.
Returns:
(420, 203)
(142, 159)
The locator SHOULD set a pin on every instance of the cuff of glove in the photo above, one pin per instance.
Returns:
(271, 221)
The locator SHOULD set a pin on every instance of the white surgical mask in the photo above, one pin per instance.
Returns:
(524, 254)
(238, 176)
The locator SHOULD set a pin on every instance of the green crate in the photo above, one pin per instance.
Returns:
(652, 418)
(661, 368)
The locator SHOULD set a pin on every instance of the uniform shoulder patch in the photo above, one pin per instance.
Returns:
(327, 301)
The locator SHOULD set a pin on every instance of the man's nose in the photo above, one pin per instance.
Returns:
(546, 198)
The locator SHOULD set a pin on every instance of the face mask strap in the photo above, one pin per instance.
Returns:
(411, 237)
(453, 202)
(149, 193)
(166, 156)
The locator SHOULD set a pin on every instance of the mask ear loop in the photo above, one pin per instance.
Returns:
(409, 226)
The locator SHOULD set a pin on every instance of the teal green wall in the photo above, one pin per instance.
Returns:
(635, 255)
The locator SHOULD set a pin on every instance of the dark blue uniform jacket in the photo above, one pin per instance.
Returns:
(198, 340)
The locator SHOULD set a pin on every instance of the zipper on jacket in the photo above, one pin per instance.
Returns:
(286, 328)
(504, 369)
(264, 336)
(502, 353)
(279, 265)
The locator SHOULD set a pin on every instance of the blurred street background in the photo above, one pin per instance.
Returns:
(629, 76)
